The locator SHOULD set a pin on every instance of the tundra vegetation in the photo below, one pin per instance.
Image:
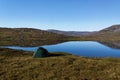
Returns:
(19, 65)
(28, 37)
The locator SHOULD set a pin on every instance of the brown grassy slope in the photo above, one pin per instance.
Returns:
(104, 36)
(19, 65)
(28, 37)
(111, 33)
(35, 37)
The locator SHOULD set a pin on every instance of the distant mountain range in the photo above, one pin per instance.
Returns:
(37, 37)
(71, 33)
(114, 29)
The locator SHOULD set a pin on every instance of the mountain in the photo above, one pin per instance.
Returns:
(111, 33)
(70, 33)
(37, 37)
(113, 28)
(28, 37)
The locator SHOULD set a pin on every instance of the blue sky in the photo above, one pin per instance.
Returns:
(68, 15)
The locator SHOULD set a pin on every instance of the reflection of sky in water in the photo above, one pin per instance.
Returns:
(81, 48)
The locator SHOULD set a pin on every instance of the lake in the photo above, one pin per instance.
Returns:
(80, 48)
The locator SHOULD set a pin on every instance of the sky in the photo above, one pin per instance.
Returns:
(67, 15)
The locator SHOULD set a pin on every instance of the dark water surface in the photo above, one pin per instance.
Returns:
(80, 48)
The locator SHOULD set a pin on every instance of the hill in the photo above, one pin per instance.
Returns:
(113, 28)
(70, 33)
(36, 37)
(111, 33)
(28, 37)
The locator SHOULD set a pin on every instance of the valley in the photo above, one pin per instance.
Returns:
(18, 64)
(36, 37)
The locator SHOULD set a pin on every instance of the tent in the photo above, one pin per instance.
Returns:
(40, 52)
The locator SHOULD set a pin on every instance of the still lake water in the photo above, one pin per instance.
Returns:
(80, 48)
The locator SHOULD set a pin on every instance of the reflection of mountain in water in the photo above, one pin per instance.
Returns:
(115, 45)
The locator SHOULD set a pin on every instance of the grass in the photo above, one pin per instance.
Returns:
(36, 37)
(28, 37)
(19, 65)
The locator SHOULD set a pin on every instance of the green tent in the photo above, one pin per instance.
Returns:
(40, 52)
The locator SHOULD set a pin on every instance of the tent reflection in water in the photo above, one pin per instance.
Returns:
(40, 52)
